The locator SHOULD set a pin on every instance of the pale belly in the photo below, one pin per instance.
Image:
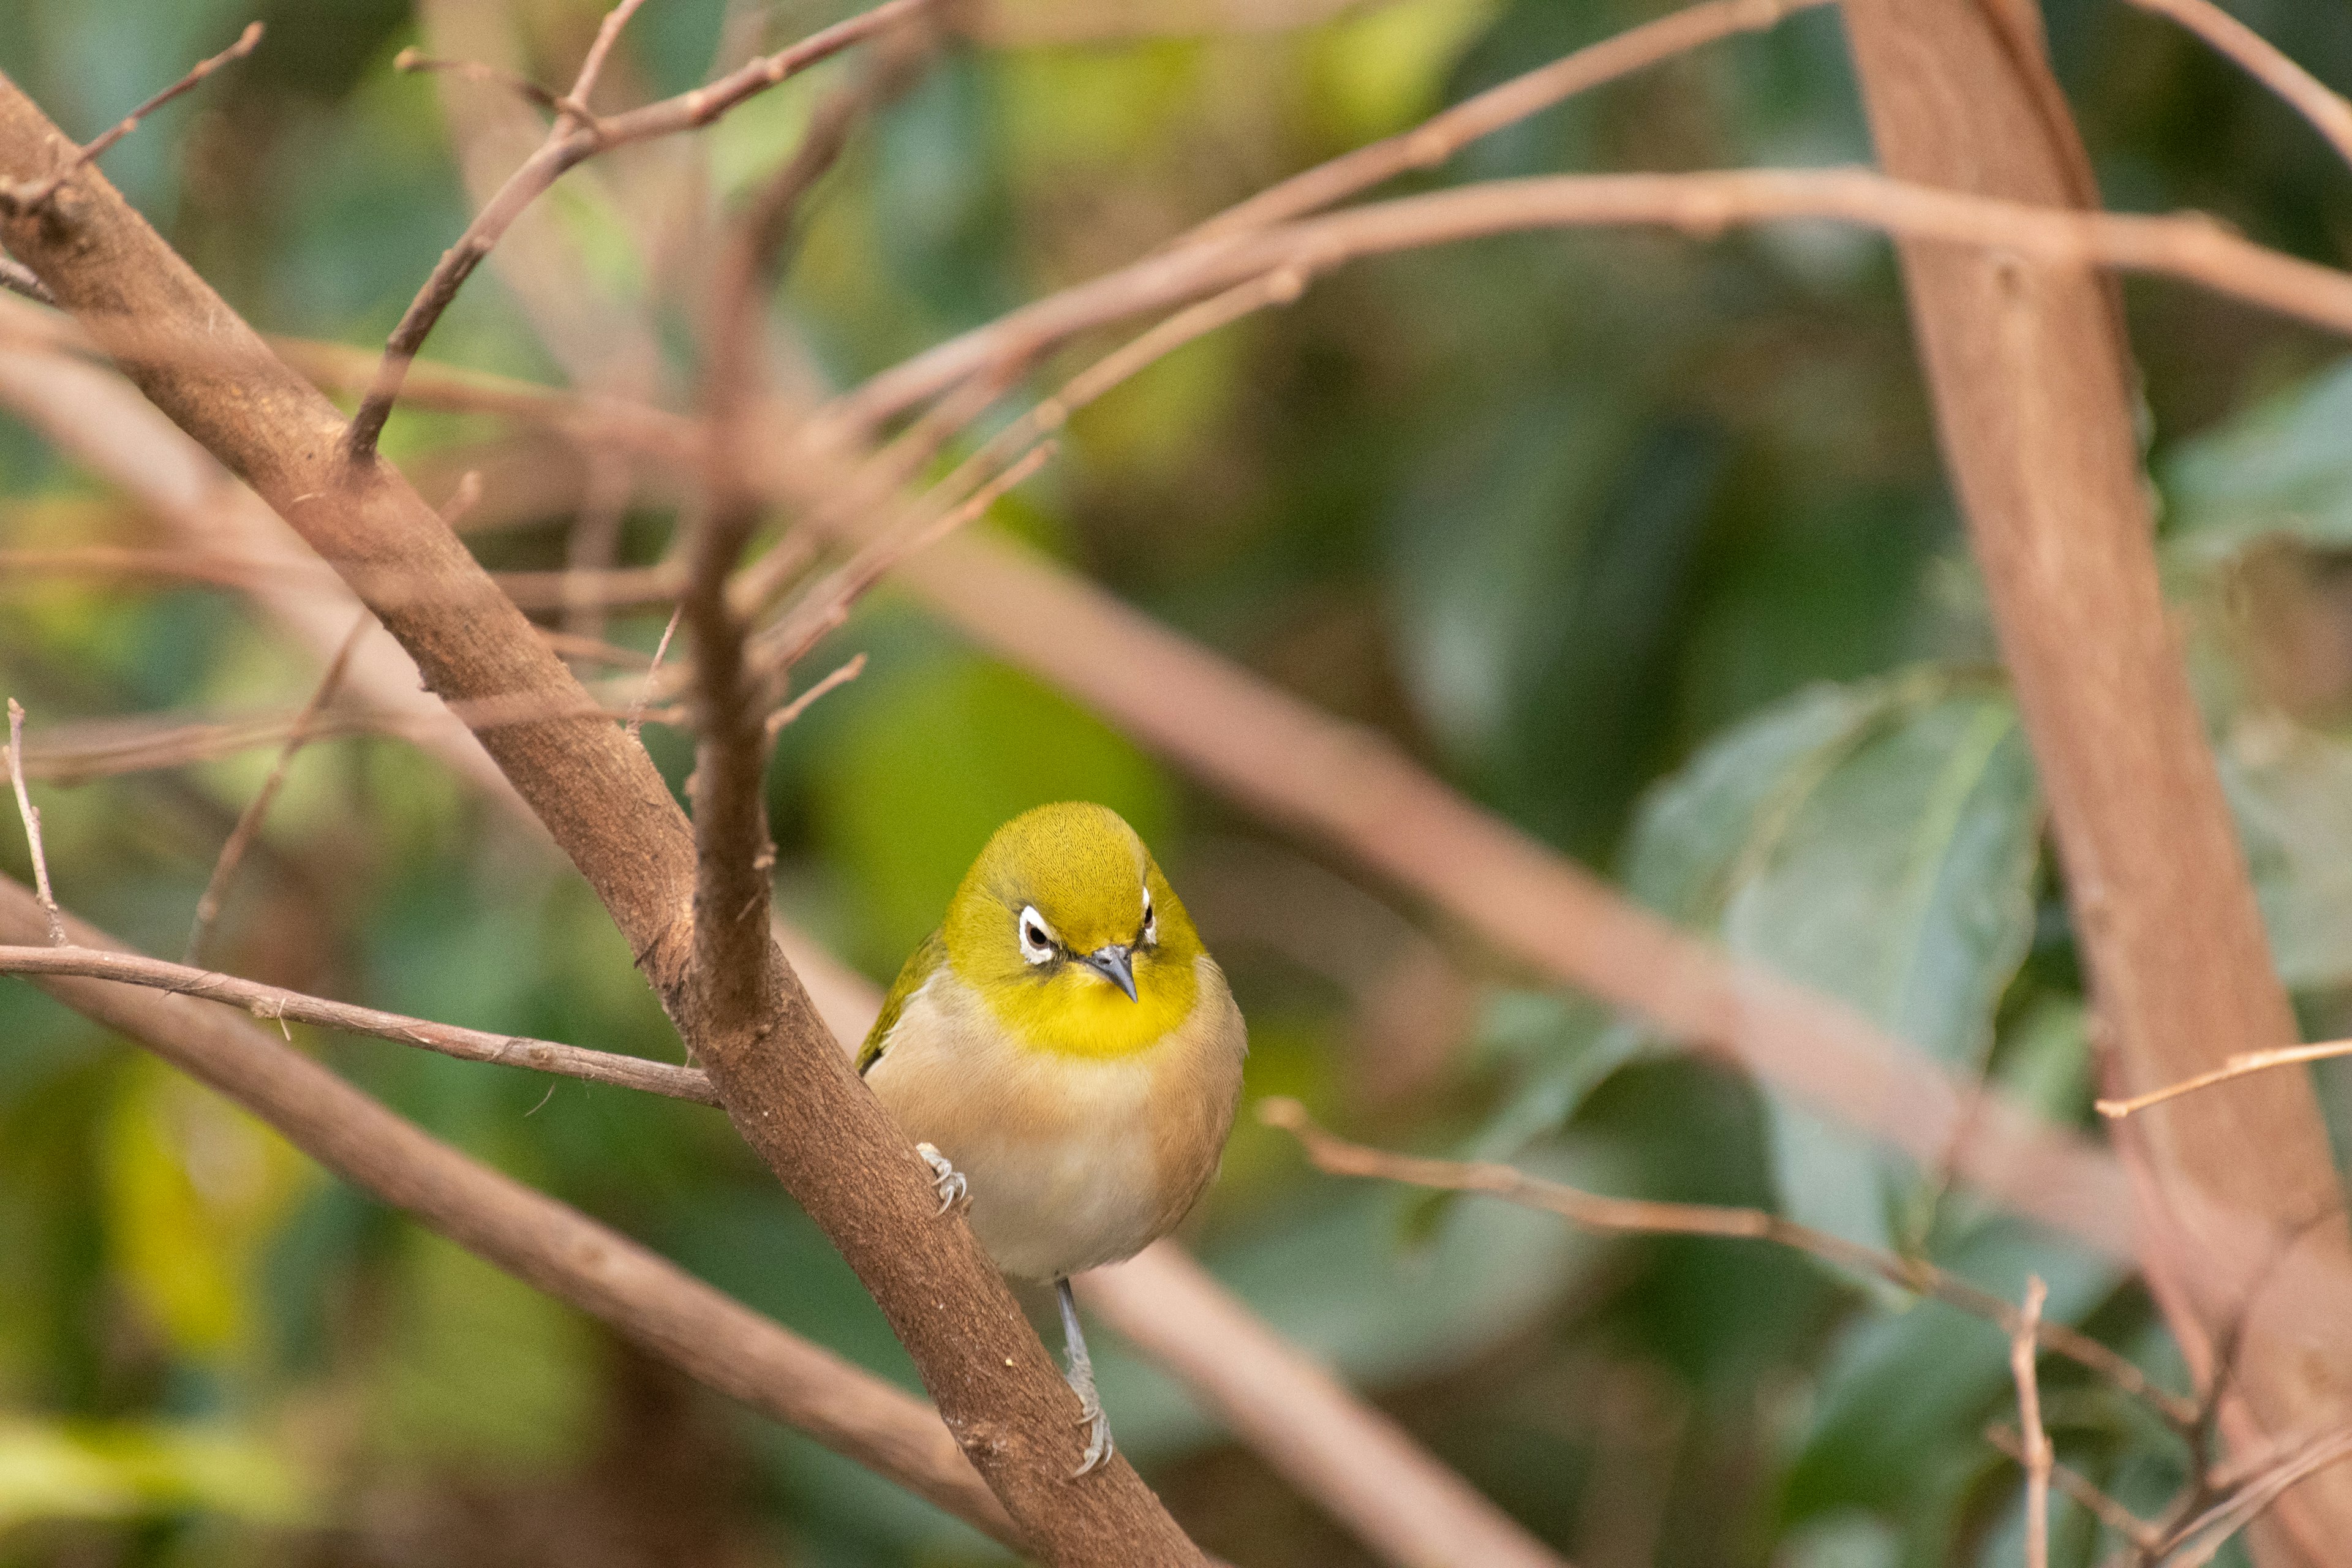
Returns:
(1071, 1163)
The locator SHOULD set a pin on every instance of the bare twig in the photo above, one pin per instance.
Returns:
(637, 708)
(2235, 1067)
(2187, 246)
(278, 1004)
(2326, 108)
(828, 606)
(32, 817)
(2143, 1537)
(2024, 1341)
(841, 676)
(416, 60)
(1442, 134)
(29, 197)
(674, 1316)
(575, 137)
(19, 279)
(1645, 1217)
(2195, 1542)
(249, 822)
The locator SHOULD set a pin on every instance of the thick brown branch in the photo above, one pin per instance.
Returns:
(795, 1097)
(2035, 399)
(675, 1317)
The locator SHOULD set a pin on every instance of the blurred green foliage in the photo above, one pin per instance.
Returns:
(1640, 542)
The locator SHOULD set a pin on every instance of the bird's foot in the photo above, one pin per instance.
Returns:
(952, 1187)
(1090, 1416)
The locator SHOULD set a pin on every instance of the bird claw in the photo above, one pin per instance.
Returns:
(949, 1181)
(1099, 1447)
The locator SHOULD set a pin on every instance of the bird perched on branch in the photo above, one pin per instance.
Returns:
(1066, 1056)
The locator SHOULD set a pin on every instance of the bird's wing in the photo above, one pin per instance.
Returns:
(922, 964)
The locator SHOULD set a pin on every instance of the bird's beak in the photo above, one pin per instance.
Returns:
(1112, 963)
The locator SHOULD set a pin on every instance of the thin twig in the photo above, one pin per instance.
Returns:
(2022, 1343)
(828, 604)
(414, 60)
(26, 198)
(1644, 1216)
(32, 815)
(249, 822)
(2238, 1066)
(2329, 113)
(799, 705)
(278, 1006)
(1438, 138)
(2195, 1543)
(574, 138)
(653, 671)
(2143, 1537)
(19, 279)
(1702, 205)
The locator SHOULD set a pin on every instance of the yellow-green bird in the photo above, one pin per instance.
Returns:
(1065, 1054)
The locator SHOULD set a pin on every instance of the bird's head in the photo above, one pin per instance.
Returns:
(1068, 930)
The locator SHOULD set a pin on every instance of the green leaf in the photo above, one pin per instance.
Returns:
(2291, 790)
(2283, 466)
(1878, 843)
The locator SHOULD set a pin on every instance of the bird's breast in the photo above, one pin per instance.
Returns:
(1073, 1161)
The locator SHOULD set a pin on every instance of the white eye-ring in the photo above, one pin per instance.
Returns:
(1151, 921)
(1036, 936)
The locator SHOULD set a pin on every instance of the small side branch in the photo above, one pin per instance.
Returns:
(1642, 1217)
(576, 136)
(2023, 1345)
(2236, 1067)
(2329, 113)
(249, 822)
(280, 1006)
(37, 194)
(32, 815)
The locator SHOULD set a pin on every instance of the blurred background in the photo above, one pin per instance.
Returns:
(1641, 542)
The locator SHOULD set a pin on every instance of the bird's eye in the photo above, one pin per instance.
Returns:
(1036, 941)
(1151, 921)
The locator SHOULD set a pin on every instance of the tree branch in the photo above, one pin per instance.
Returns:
(1643, 1216)
(2329, 113)
(795, 1097)
(575, 137)
(710, 1336)
(2023, 351)
(275, 1002)
(249, 821)
(31, 816)
(31, 198)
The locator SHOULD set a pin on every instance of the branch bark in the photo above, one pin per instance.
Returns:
(789, 1091)
(708, 1334)
(1335, 1460)
(2034, 392)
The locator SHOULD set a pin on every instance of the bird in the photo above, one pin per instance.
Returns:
(1065, 1056)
